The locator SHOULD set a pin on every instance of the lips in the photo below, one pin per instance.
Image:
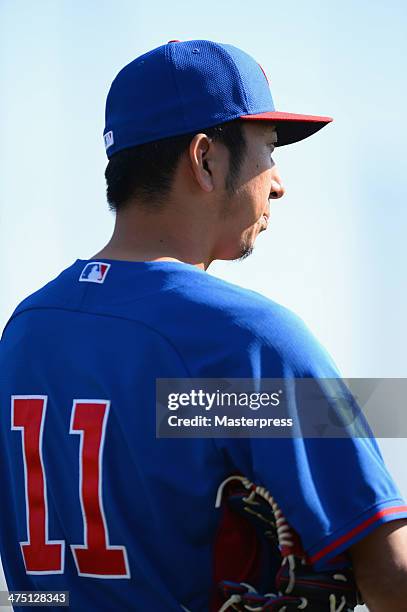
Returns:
(264, 219)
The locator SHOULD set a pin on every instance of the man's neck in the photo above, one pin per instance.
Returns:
(129, 255)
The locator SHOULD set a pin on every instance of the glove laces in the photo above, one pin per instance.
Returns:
(284, 533)
(286, 541)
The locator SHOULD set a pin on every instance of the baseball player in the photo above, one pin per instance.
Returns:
(92, 502)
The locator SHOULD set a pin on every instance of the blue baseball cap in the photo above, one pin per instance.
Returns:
(181, 87)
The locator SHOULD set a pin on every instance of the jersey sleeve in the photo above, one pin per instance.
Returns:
(333, 491)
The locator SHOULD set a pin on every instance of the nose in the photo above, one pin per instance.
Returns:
(277, 188)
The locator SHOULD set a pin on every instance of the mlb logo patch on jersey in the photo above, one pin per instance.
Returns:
(94, 272)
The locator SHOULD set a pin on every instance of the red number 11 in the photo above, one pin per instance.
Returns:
(95, 557)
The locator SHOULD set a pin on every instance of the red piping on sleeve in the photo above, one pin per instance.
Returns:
(356, 530)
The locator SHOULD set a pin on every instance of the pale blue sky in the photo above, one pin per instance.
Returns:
(335, 250)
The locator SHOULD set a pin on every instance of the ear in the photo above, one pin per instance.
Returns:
(201, 162)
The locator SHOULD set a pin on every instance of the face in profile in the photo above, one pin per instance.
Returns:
(246, 208)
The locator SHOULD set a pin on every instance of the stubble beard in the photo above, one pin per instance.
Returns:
(246, 249)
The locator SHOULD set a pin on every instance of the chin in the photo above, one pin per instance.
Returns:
(241, 248)
(246, 248)
(245, 253)
(232, 253)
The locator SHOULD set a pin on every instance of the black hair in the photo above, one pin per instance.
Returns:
(146, 171)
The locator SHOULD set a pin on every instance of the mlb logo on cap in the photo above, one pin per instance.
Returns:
(94, 272)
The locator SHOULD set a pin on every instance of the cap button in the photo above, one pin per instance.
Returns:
(170, 41)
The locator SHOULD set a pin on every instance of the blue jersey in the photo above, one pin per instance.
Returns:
(92, 502)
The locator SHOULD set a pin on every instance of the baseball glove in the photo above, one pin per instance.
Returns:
(274, 574)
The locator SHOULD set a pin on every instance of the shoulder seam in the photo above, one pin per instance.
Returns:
(108, 315)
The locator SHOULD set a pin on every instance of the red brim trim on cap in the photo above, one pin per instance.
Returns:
(290, 126)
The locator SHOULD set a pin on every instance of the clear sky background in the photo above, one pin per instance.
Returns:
(336, 247)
